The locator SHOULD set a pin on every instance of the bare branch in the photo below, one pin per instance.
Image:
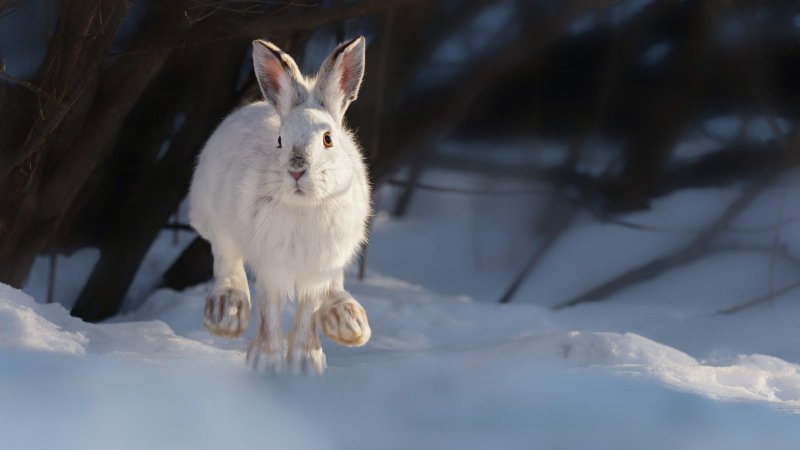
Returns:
(766, 298)
(253, 27)
(690, 252)
(465, 191)
(31, 87)
(552, 236)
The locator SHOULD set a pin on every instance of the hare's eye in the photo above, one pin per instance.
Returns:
(279, 142)
(327, 140)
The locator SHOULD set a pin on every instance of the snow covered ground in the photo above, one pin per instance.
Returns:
(652, 367)
(441, 372)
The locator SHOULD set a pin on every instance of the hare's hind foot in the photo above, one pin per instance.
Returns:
(264, 358)
(309, 362)
(344, 321)
(227, 312)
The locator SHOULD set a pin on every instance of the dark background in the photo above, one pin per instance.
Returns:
(105, 104)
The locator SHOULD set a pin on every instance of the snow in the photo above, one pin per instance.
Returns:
(652, 367)
(77, 267)
(23, 328)
(440, 370)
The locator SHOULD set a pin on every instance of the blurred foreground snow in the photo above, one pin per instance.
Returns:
(440, 373)
(653, 367)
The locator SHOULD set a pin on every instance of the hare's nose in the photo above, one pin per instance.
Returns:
(297, 175)
(297, 161)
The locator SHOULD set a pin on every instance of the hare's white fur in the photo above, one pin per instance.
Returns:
(296, 233)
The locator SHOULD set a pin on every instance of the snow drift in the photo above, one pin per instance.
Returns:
(411, 321)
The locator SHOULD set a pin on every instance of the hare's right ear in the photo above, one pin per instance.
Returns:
(340, 77)
(278, 77)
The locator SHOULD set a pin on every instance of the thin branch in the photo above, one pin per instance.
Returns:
(782, 251)
(601, 217)
(270, 24)
(404, 199)
(51, 278)
(31, 87)
(465, 191)
(178, 226)
(7, 7)
(776, 239)
(766, 298)
(698, 247)
(555, 232)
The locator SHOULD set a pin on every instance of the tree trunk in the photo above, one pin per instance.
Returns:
(38, 179)
(161, 191)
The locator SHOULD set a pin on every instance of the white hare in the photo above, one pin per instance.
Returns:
(281, 186)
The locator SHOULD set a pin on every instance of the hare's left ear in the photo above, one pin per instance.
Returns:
(340, 77)
(278, 77)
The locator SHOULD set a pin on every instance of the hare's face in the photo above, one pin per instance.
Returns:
(314, 159)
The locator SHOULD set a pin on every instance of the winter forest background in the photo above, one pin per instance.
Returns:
(586, 214)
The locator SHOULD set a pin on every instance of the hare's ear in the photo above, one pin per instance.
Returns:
(340, 77)
(278, 76)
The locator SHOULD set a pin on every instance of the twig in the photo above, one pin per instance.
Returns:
(31, 87)
(178, 226)
(7, 7)
(404, 200)
(437, 116)
(690, 252)
(51, 278)
(776, 240)
(782, 251)
(380, 87)
(175, 230)
(362, 259)
(362, 256)
(465, 191)
(763, 229)
(766, 298)
(308, 19)
(605, 218)
(541, 251)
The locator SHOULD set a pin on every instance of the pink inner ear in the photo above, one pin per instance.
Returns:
(272, 73)
(347, 72)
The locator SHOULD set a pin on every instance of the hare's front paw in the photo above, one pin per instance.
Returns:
(308, 362)
(227, 312)
(345, 322)
(265, 358)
